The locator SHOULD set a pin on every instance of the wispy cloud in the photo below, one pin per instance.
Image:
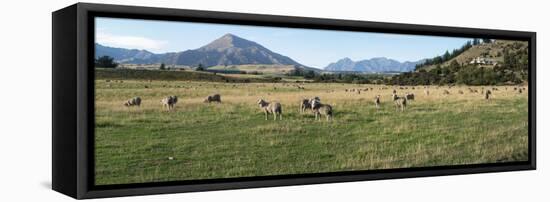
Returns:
(130, 42)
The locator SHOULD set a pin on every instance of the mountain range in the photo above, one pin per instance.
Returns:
(227, 50)
(233, 50)
(378, 64)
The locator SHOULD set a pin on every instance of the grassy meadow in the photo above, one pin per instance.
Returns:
(232, 139)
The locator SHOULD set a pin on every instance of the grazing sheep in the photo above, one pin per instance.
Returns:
(409, 96)
(304, 105)
(169, 102)
(377, 101)
(213, 98)
(135, 101)
(400, 102)
(487, 94)
(460, 92)
(314, 99)
(446, 92)
(520, 91)
(394, 97)
(271, 108)
(321, 109)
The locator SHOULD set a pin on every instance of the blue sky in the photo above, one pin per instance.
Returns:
(311, 47)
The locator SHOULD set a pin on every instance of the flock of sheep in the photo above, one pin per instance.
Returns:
(268, 108)
(169, 102)
(314, 104)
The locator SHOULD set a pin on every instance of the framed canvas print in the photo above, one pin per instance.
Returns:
(155, 100)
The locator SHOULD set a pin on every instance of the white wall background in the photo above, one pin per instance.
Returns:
(25, 74)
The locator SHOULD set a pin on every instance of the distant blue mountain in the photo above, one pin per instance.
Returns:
(378, 64)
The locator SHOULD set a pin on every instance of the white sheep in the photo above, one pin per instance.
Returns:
(274, 108)
(169, 102)
(377, 101)
(321, 109)
(135, 101)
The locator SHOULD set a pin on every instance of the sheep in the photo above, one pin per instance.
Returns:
(274, 108)
(304, 105)
(135, 101)
(213, 98)
(314, 99)
(321, 109)
(446, 92)
(394, 96)
(460, 92)
(487, 94)
(400, 102)
(377, 101)
(169, 102)
(520, 91)
(409, 96)
(427, 92)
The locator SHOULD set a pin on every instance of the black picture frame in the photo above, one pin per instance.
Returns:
(73, 103)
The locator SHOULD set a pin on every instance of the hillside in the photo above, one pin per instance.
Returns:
(492, 51)
(379, 64)
(495, 63)
(251, 69)
(226, 50)
(123, 55)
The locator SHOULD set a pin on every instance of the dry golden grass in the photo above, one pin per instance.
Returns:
(232, 139)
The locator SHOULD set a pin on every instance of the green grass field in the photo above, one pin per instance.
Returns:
(232, 139)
